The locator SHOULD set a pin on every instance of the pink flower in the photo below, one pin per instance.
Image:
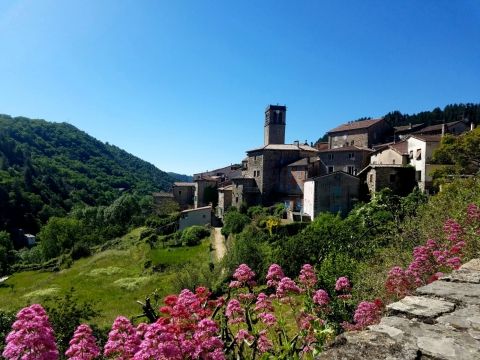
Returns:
(321, 297)
(473, 212)
(397, 282)
(367, 313)
(307, 276)
(207, 343)
(83, 345)
(263, 303)
(268, 318)
(263, 343)
(274, 275)
(123, 341)
(342, 284)
(243, 274)
(234, 312)
(287, 286)
(31, 337)
(244, 335)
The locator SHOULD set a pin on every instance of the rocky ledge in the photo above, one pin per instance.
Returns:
(442, 321)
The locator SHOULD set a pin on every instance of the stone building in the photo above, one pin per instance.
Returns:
(364, 134)
(337, 192)
(350, 159)
(224, 200)
(391, 154)
(184, 193)
(205, 191)
(454, 128)
(199, 216)
(398, 178)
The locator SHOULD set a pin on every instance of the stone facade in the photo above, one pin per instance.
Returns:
(275, 122)
(365, 133)
(199, 216)
(245, 190)
(336, 192)
(204, 192)
(184, 193)
(441, 322)
(400, 179)
(224, 200)
(349, 159)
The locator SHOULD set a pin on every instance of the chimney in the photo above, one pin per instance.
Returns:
(472, 126)
(306, 143)
(443, 129)
(296, 143)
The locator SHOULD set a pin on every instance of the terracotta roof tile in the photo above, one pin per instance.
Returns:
(355, 125)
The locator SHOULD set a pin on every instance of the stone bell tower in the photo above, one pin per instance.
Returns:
(275, 121)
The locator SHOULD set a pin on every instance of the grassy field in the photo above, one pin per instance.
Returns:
(113, 279)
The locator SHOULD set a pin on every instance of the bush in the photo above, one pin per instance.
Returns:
(234, 222)
(193, 235)
(80, 250)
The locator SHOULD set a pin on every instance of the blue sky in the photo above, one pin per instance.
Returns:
(184, 84)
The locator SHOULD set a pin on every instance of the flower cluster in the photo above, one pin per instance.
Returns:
(83, 345)
(243, 276)
(31, 337)
(307, 276)
(430, 260)
(274, 275)
(367, 313)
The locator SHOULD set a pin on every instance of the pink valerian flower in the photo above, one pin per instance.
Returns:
(434, 277)
(244, 276)
(367, 313)
(453, 230)
(287, 286)
(306, 320)
(141, 330)
(31, 337)
(159, 343)
(342, 284)
(307, 276)
(274, 275)
(473, 213)
(234, 312)
(83, 345)
(244, 335)
(398, 282)
(207, 343)
(454, 262)
(321, 297)
(267, 318)
(263, 303)
(263, 343)
(123, 341)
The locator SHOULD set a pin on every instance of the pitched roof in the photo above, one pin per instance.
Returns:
(346, 148)
(331, 174)
(400, 147)
(197, 209)
(427, 138)
(301, 162)
(355, 125)
(373, 166)
(437, 127)
(410, 127)
(285, 147)
(179, 183)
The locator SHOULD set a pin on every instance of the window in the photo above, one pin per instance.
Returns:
(418, 175)
(393, 178)
(330, 169)
(330, 156)
(180, 192)
(236, 199)
(410, 154)
(418, 155)
(350, 170)
(352, 142)
(371, 178)
(393, 161)
(351, 156)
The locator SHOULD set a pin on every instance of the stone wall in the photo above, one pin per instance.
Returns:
(440, 322)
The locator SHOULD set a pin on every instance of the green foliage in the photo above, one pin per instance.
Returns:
(58, 235)
(249, 247)
(6, 253)
(66, 314)
(6, 321)
(462, 152)
(256, 211)
(193, 235)
(46, 169)
(234, 222)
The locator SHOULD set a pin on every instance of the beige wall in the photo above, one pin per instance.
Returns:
(201, 216)
(388, 157)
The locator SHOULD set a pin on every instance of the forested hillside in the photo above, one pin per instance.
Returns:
(47, 168)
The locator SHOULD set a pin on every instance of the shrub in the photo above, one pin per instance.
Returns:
(234, 222)
(193, 235)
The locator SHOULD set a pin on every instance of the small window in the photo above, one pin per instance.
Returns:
(393, 161)
(330, 156)
(236, 199)
(371, 178)
(180, 192)
(418, 155)
(352, 142)
(410, 154)
(204, 216)
(351, 156)
(350, 170)
(418, 175)
(330, 169)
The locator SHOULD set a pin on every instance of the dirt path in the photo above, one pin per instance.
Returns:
(219, 243)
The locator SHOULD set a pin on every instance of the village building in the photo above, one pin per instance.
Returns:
(266, 175)
(199, 216)
(184, 193)
(350, 159)
(398, 178)
(391, 154)
(402, 132)
(224, 200)
(364, 134)
(206, 192)
(454, 128)
(337, 192)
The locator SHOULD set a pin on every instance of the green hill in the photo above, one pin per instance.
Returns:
(113, 279)
(48, 168)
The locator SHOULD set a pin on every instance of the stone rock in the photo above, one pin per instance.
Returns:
(436, 341)
(472, 265)
(455, 291)
(357, 345)
(463, 275)
(421, 307)
(463, 319)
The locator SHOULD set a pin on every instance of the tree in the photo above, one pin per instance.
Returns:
(60, 234)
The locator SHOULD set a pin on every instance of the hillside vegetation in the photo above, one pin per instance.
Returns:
(47, 169)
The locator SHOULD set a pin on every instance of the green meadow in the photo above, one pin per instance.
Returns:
(113, 279)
